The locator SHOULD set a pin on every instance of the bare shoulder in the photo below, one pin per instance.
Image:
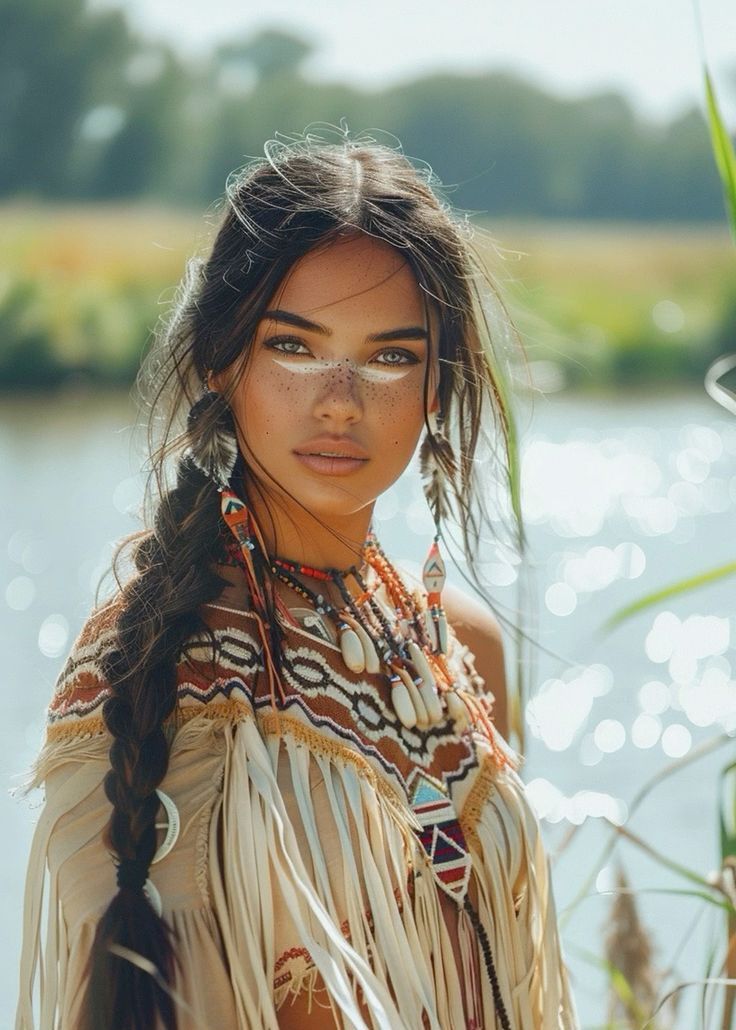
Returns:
(476, 626)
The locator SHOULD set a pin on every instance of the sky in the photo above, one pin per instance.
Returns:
(646, 49)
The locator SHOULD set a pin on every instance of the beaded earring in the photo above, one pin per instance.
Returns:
(434, 573)
(213, 446)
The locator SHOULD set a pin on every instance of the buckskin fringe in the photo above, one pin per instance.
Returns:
(259, 834)
(90, 752)
(314, 836)
(507, 837)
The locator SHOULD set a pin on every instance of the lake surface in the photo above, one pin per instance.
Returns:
(622, 495)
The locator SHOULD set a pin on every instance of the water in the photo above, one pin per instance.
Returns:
(622, 496)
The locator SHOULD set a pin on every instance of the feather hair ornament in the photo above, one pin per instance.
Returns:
(213, 446)
(437, 464)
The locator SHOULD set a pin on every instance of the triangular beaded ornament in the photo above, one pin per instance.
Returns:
(434, 575)
(441, 835)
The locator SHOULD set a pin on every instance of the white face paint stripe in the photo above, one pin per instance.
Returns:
(305, 368)
(371, 374)
(378, 375)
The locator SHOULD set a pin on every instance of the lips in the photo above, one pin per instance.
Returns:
(332, 456)
(332, 447)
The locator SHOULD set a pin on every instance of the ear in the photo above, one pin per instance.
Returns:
(216, 381)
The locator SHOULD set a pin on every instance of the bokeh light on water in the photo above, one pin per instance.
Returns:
(576, 486)
(618, 501)
(19, 593)
(642, 484)
(558, 710)
(551, 804)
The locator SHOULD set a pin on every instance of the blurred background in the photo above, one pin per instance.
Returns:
(575, 137)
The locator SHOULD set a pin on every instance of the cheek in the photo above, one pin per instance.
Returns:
(263, 402)
(398, 410)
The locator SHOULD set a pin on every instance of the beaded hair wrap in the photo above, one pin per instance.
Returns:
(433, 470)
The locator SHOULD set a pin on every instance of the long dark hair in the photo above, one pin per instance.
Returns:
(305, 192)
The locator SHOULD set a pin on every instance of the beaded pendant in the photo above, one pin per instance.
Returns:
(434, 576)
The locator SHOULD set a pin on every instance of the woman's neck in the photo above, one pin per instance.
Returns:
(300, 537)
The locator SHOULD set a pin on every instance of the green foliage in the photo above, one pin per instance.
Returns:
(50, 337)
(27, 357)
(56, 60)
(81, 289)
(683, 586)
(90, 110)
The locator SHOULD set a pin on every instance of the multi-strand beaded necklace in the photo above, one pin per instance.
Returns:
(378, 630)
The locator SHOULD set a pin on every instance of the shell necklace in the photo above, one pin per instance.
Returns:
(392, 634)
(394, 637)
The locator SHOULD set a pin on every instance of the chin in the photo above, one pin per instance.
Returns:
(329, 503)
(325, 497)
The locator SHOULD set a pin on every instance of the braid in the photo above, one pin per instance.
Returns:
(159, 614)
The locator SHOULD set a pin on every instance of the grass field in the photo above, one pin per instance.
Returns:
(607, 294)
(81, 287)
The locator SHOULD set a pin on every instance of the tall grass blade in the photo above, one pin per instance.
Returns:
(697, 752)
(680, 587)
(717, 980)
(721, 143)
(723, 152)
(727, 827)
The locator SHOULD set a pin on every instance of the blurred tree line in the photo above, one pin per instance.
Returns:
(90, 110)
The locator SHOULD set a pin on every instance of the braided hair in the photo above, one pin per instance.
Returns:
(303, 193)
(158, 615)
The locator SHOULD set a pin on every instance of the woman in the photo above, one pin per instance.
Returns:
(275, 793)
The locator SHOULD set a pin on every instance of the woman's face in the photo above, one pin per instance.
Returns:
(330, 404)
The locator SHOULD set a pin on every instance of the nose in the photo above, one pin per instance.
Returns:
(339, 399)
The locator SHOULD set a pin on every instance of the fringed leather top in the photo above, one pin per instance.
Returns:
(323, 855)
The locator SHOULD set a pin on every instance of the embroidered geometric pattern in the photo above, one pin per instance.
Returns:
(354, 709)
(441, 835)
(317, 790)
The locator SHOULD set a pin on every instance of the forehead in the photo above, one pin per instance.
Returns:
(355, 276)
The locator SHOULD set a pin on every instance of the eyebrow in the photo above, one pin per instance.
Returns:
(412, 332)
